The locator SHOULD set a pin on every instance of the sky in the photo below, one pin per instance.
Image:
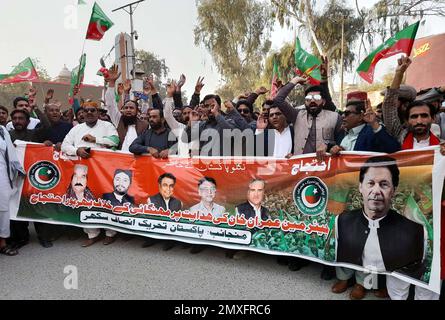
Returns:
(49, 31)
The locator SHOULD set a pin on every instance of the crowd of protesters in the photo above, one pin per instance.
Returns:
(207, 126)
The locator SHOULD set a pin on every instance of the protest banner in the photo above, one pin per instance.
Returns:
(306, 208)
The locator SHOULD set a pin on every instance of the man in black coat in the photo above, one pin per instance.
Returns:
(252, 207)
(376, 237)
(121, 183)
(165, 200)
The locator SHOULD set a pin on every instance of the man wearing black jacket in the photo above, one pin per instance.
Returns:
(376, 237)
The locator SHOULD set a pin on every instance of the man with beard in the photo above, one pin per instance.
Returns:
(121, 183)
(410, 123)
(21, 103)
(154, 140)
(20, 121)
(3, 116)
(212, 126)
(318, 129)
(129, 127)
(78, 190)
(93, 133)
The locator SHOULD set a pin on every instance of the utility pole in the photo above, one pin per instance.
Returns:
(133, 32)
(342, 62)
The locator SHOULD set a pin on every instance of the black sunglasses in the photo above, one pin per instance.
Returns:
(347, 113)
(246, 111)
(90, 110)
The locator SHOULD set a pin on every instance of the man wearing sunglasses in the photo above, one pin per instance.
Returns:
(315, 127)
(281, 143)
(363, 130)
(93, 133)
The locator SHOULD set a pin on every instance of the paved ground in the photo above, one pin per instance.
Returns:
(124, 270)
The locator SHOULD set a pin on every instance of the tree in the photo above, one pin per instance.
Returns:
(236, 34)
(384, 18)
(152, 65)
(285, 60)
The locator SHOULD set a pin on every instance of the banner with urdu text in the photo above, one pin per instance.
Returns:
(297, 207)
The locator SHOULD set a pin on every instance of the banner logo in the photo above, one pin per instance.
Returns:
(310, 196)
(422, 50)
(44, 175)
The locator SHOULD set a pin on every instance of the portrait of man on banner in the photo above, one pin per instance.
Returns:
(253, 207)
(164, 199)
(376, 236)
(121, 183)
(78, 188)
(207, 192)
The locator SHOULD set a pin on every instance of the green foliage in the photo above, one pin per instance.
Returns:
(151, 64)
(236, 33)
(286, 65)
(364, 28)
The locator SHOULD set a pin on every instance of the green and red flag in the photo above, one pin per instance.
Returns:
(307, 64)
(99, 24)
(402, 42)
(275, 79)
(77, 75)
(24, 71)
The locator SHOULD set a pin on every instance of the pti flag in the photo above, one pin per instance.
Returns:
(275, 79)
(402, 42)
(77, 75)
(99, 24)
(307, 64)
(24, 71)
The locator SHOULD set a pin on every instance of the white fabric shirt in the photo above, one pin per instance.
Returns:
(104, 132)
(257, 211)
(115, 116)
(421, 144)
(372, 254)
(216, 211)
(348, 142)
(33, 122)
(282, 144)
(129, 138)
(178, 129)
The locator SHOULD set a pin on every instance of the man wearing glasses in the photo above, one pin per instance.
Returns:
(364, 132)
(207, 192)
(282, 143)
(318, 128)
(93, 133)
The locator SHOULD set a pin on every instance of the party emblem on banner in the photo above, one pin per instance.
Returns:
(311, 196)
(44, 175)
